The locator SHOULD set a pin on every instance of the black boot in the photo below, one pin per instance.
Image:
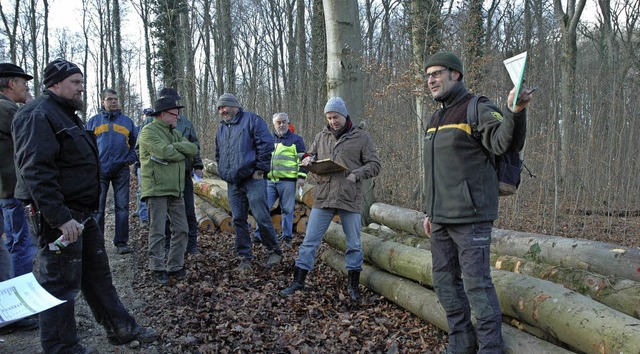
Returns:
(299, 276)
(352, 286)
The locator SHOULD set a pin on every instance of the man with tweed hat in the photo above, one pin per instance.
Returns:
(243, 153)
(58, 176)
(462, 201)
(337, 193)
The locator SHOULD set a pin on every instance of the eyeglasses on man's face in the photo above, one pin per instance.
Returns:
(436, 74)
(171, 113)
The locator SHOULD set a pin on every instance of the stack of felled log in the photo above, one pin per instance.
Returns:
(212, 202)
(557, 294)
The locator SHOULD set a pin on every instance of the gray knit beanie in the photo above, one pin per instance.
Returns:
(446, 59)
(228, 100)
(336, 104)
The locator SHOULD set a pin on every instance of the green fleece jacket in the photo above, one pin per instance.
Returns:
(461, 184)
(163, 151)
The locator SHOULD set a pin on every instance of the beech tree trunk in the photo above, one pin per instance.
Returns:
(572, 318)
(424, 304)
(398, 218)
(598, 257)
(220, 217)
(619, 294)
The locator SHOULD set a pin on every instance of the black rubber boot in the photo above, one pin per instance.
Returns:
(299, 275)
(352, 287)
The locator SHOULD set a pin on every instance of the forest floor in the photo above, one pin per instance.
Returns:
(217, 310)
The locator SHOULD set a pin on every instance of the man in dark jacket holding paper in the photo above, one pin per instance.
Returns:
(58, 175)
(462, 202)
(243, 153)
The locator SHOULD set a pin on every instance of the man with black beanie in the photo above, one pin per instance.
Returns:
(461, 201)
(58, 178)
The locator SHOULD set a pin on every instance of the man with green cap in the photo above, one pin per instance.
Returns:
(461, 201)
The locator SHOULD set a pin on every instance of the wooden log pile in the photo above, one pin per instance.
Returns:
(578, 294)
(557, 295)
(213, 202)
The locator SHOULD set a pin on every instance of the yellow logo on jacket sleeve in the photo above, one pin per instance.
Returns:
(497, 116)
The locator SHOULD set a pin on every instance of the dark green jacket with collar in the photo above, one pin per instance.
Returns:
(461, 184)
(8, 109)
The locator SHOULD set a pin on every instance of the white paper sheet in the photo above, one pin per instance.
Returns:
(22, 297)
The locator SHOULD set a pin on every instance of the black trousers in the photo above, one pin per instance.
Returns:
(82, 265)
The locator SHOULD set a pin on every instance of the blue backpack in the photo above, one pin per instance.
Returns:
(508, 165)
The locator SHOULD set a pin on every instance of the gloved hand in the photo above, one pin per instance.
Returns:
(198, 173)
(351, 177)
(300, 183)
(258, 174)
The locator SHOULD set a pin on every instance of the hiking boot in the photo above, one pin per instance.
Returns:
(352, 285)
(161, 277)
(299, 276)
(245, 265)
(123, 249)
(144, 223)
(256, 240)
(180, 273)
(286, 243)
(139, 333)
(274, 259)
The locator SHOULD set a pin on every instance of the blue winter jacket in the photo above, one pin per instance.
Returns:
(116, 137)
(243, 146)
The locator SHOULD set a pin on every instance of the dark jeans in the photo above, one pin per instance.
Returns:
(462, 280)
(192, 221)
(19, 242)
(82, 265)
(120, 182)
(251, 194)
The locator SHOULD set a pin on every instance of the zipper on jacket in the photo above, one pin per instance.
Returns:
(433, 158)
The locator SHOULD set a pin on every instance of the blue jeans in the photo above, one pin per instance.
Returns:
(462, 280)
(120, 182)
(192, 221)
(251, 194)
(286, 191)
(19, 243)
(141, 205)
(82, 265)
(319, 221)
(5, 261)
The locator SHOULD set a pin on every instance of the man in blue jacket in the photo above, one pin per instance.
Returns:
(243, 153)
(115, 134)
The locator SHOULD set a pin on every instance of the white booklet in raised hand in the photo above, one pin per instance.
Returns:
(515, 66)
(22, 297)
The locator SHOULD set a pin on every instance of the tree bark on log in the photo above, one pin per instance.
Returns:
(618, 293)
(424, 304)
(212, 194)
(204, 222)
(574, 319)
(220, 217)
(210, 166)
(301, 225)
(598, 257)
(398, 218)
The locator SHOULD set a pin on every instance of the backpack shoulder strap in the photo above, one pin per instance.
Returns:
(472, 120)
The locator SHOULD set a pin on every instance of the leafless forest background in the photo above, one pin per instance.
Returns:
(583, 125)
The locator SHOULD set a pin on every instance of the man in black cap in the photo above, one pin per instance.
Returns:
(14, 89)
(58, 176)
(462, 201)
(163, 152)
(193, 166)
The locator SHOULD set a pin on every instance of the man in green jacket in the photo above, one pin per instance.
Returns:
(163, 152)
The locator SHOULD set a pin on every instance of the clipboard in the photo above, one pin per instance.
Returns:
(324, 167)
